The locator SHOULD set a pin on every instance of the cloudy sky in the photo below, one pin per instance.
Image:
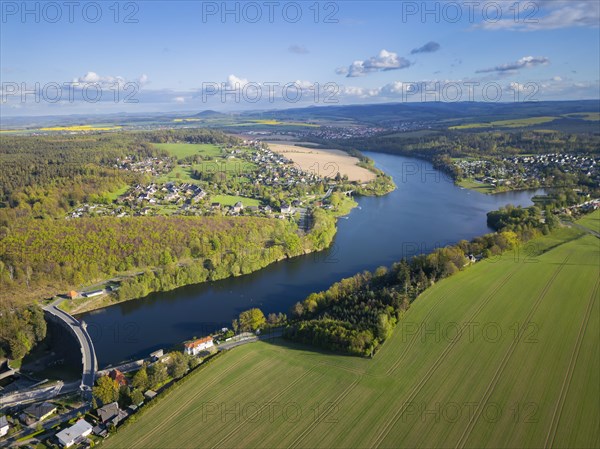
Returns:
(190, 56)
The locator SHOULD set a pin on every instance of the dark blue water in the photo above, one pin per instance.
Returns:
(426, 211)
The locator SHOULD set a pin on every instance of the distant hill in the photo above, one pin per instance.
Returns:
(209, 114)
(430, 111)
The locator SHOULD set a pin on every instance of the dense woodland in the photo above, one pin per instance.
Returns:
(70, 253)
(357, 314)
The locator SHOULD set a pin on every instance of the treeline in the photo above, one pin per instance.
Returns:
(465, 144)
(188, 135)
(522, 220)
(357, 314)
(20, 330)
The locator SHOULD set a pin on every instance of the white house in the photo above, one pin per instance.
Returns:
(194, 347)
(3, 426)
(71, 435)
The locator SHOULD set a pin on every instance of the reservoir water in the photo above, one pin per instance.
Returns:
(425, 211)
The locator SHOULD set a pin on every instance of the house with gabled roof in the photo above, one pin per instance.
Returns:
(196, 346)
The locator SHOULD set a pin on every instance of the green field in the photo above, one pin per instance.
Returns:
(477, 186)
(181, 150)
(230, 200)
(180, 173)
(514, 123)
(588, 116)
(591, 221)
(504, 354)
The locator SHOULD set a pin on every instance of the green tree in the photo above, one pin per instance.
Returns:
(157, 374)
(178, 365)
(251, 320)
(140, 379)
(106, 390)
(137, 397)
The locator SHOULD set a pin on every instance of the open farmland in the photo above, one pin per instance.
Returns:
(591, 221)
(513, 123)
(326, 163)
(503, 354)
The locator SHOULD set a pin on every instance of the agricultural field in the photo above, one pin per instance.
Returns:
(494, 356)
(591, 221)
(513, 123)
(182, 150)
(326, 163)
(588, 116)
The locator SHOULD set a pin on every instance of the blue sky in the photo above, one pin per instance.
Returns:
(367, 51)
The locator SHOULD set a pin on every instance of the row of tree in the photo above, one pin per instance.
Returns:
(357, 314)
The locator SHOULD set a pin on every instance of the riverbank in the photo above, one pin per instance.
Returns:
(379, 231)
(490, 189)
(111, 293)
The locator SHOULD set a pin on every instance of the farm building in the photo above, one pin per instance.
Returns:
(71, 435)
(196, 346)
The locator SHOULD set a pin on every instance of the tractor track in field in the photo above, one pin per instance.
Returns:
(569, 375)
(230, 386)
(315, 422)
(504, 362)
(162, 429)
(260, 410)
(406, 348)
(387, 426)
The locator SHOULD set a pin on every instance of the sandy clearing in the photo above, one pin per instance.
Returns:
(323, 162)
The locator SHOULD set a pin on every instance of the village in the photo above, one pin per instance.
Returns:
(539, 170)
(250, 180)
(72, 420)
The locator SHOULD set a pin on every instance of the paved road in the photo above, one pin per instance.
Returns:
(583, 228)
(249, 338)
(88, 354)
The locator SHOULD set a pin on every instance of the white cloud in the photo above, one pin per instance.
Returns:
(108, 80)
(233, 82)
(384, 61)
(179, 100)
(523, 63)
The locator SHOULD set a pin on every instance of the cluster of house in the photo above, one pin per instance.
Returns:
(152, 165)
(585, 207)
(531, 169)
(109, 415)
(274, 170)
(277, 170)
(168, 193)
